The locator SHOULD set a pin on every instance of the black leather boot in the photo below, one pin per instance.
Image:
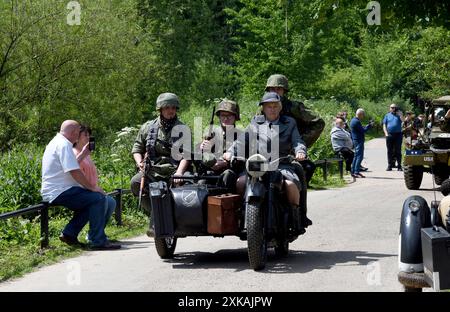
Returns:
(305, 221)
(297, 226)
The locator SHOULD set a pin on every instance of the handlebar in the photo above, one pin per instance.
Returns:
(194, 178)
(239, 158)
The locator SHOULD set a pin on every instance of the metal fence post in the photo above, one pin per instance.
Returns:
(341, 168)
(44, 226)
(118, 212)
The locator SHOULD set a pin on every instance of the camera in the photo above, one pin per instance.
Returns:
(396, 110)
(91, 143)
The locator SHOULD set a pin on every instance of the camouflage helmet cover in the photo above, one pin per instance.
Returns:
(167, 99)
(228, 106)
(277, 80)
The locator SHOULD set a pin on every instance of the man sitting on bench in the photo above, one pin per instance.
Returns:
(342, 143)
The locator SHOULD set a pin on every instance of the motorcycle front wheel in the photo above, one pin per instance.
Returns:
(256, 238)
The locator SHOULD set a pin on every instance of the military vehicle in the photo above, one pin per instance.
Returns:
(429, 150)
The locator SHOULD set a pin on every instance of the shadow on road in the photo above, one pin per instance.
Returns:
(136, 244)
(295, 262)
(383, 178)
(437, 189)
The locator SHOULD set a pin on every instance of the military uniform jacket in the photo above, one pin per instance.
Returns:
(289, 138)
(220, 144)
(309, 125)
(163, 165)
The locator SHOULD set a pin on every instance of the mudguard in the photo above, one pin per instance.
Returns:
(415, 216)
(255, 189)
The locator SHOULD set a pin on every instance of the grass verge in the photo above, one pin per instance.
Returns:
(19, 257)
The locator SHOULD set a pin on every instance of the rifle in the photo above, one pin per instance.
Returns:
(147, 166)
(211, 125)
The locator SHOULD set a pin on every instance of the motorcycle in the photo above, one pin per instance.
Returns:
(263, 217)
(270, 220)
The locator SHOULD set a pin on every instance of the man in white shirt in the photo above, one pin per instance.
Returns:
(64, 184)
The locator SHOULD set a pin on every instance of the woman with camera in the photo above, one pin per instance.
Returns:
(82, 150)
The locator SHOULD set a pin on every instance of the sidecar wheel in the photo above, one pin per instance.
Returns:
(256, 240)
(165, 247)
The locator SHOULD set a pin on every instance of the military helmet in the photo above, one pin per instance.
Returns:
(277, 80)
(228, 106)
(167, 99)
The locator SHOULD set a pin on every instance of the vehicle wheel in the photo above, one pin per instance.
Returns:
(440, 174)
(282, 248)
(412, 289)
(256, 241)
(165, 247)
(445, 187)
(413, 176)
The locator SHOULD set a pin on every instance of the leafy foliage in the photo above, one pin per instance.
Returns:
(20, 177)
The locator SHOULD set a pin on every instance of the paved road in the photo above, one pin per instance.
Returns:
(351, 247)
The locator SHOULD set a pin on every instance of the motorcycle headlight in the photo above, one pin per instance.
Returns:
(256, 165)
(414, 205)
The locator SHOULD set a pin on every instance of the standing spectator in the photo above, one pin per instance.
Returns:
(64, 184)
(392, 127)
(408, 124)
(343, 115)
(342, 142)
(358, 137)
(409, 129)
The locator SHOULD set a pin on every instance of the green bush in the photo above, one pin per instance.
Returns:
(20, 177)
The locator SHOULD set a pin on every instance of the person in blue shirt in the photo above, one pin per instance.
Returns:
(358, 137)
(392, 127)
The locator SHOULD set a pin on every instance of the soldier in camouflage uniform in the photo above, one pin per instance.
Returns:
(309, 125)
(154, 141)
(228, 113)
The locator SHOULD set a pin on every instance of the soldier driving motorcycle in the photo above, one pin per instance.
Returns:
(289, 141)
